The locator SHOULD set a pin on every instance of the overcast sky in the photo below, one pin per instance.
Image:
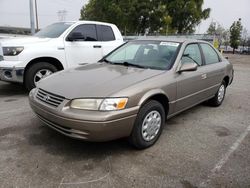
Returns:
(16, 12)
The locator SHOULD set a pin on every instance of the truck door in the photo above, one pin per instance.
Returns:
(82, 45)
(106, 35)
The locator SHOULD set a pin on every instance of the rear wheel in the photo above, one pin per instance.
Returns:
(37, 72)
(148, 125)
(219, 96)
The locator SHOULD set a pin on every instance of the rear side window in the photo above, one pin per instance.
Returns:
(105, 33)
(210, 54)
(88, 31)
(192, 53)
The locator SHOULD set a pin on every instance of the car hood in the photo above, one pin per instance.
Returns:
(94, 80)
(21, 41)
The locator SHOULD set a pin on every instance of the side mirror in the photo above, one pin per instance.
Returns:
(188, 66)
(76, 36)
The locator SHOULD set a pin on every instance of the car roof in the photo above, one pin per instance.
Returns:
(166, 38)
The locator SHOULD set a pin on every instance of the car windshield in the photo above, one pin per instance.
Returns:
(145, 54)
(54, 30)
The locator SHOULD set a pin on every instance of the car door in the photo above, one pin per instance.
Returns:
(87, 50)
(214, 69)
(190, 85)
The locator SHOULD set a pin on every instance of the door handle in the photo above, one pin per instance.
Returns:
(203, 76)
(97, 46)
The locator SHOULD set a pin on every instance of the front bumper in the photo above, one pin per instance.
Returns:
(11, 74)
(100, 126)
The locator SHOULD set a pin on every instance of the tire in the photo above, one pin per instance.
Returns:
(31, 75)
(219, 96)
(150, 109)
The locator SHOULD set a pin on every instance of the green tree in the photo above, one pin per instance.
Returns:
(218, 31)
(211, 28)
(235, 34)
(186, 14)
(227, 38)
(133, 16)
(142, 16)
(244, 36)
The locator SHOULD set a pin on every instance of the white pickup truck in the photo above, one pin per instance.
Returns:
(57, 47)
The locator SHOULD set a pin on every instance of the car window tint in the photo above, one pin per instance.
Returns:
(105, 33)
(88, 31)
(148, 54)
(127, 54)
(192, 53)
(210, 54)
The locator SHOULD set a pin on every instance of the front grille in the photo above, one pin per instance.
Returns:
(49, 98)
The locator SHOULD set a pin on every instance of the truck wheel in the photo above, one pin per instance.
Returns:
(148, 125)
(37, 72)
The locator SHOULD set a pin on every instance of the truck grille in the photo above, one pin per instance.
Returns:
(49, 98)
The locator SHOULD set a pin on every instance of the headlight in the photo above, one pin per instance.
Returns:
(12, 51)
(113, 104)
(109, 104)
(86, 104)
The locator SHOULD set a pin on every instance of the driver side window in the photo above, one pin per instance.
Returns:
(192, 53)
(88, 31)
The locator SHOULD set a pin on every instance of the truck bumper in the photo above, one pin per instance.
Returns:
(11, 74)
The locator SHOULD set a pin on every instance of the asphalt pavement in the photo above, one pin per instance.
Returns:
(202, 147)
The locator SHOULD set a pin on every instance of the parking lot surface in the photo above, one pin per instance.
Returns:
(202, 147)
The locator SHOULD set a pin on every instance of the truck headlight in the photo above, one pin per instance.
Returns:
(12, 51)
(108, 104)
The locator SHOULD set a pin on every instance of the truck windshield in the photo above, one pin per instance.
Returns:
(54, 30)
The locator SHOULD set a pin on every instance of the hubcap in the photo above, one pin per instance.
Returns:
(41, 74)
(221, 93)
(151, 125)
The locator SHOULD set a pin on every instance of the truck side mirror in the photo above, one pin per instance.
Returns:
(76, 36)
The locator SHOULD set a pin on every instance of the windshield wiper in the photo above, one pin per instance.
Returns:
(106, 61)
(132, 65)
(127, 64)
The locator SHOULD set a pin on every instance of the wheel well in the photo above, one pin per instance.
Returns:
(226, 79)
(50, 60)
(161, 99)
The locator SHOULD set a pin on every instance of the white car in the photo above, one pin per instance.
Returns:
(59, 46)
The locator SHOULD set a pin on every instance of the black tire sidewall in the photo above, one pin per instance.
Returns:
(217, 101)
(136, 137)
(214, 101)
(33, 69)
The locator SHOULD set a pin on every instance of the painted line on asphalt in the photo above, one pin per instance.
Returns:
(109, 169)
(226, 157)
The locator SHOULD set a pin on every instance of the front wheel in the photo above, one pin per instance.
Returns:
(148, 125)
(219, 96)
(37, 72)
